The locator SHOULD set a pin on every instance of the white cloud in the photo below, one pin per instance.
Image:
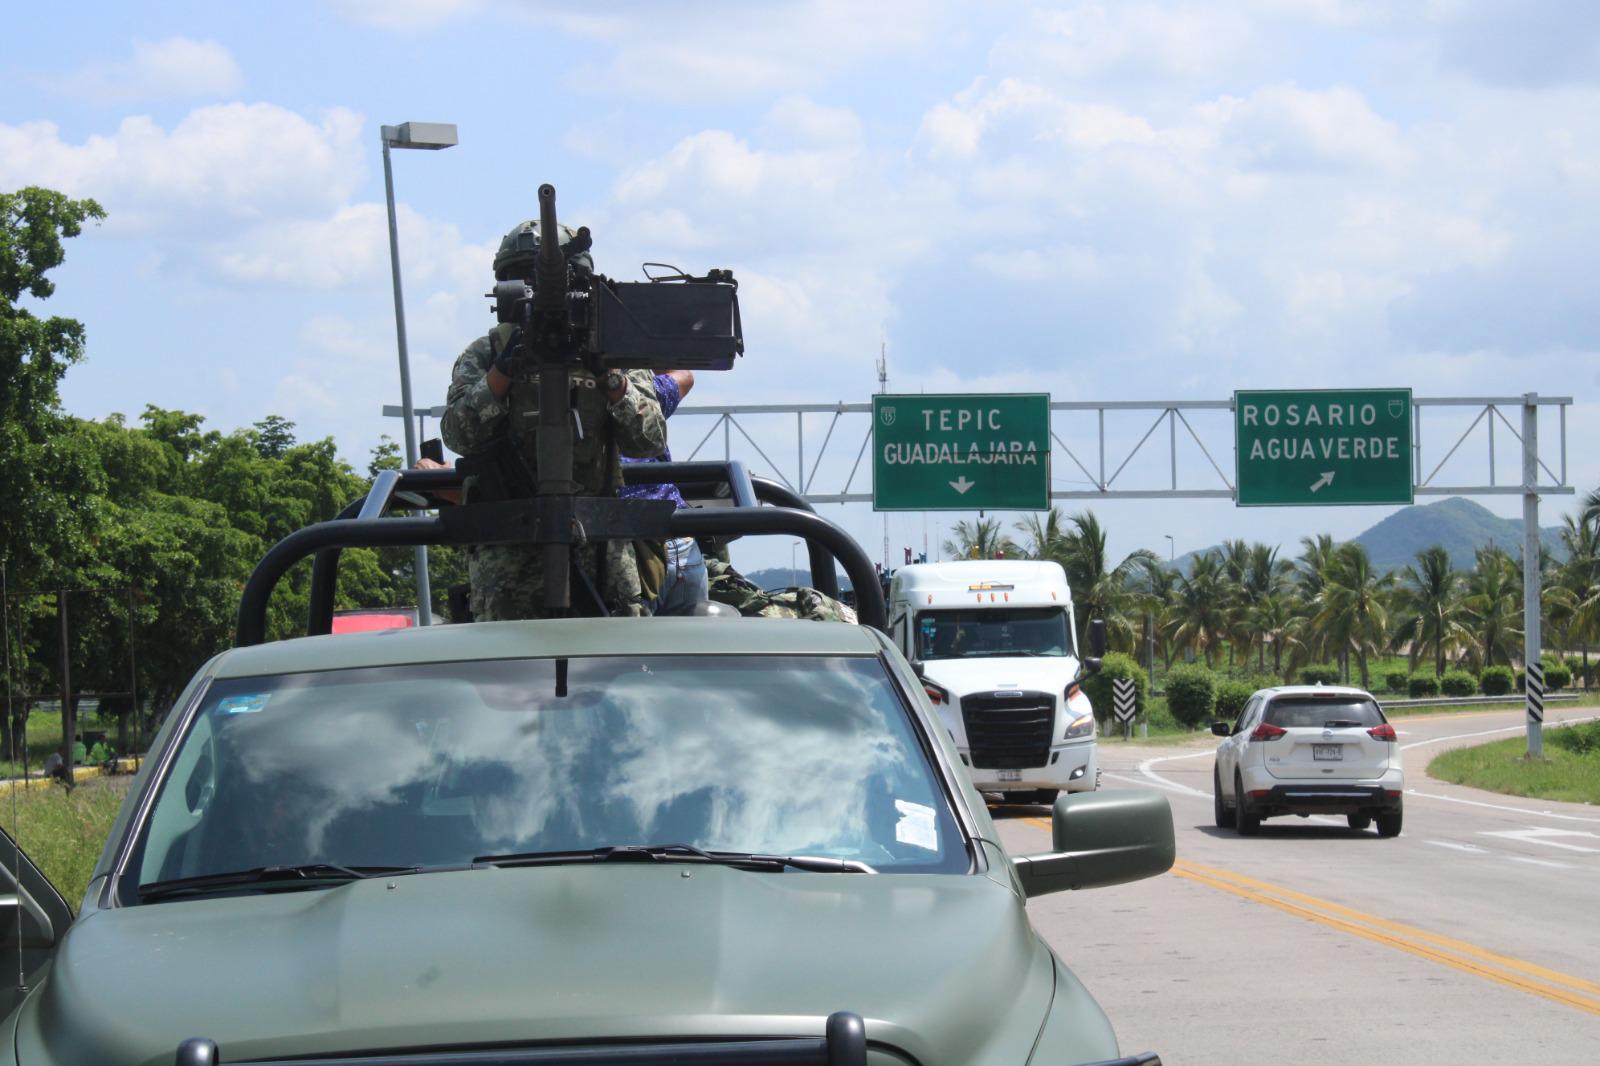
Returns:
(176, 67)
(800, 119)
(1286, 127)
(406, 15)
(227, 162)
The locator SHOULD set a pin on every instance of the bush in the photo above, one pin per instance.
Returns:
(1396, 680)
(1098, 686)
(1422, 686)
(1191, 694)
(1458, 683)
(1495, 680)
(1583, 739)
(1231, 696)
(1319, 674)
(1580, 676)
(1556, 676)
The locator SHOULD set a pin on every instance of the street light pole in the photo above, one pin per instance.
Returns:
(1171, 549)
(433, 136)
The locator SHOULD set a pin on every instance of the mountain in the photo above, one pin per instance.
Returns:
(776, 578)
(1460, 525)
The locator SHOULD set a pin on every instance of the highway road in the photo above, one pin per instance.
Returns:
(1473, 937)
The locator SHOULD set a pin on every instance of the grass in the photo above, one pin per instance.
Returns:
(1569, 772)
(44, 737)
(62, 831)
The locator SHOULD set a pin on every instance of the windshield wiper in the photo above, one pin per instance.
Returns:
(305, 875)
(684, 853)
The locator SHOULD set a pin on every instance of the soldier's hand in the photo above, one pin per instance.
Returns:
(616, 383)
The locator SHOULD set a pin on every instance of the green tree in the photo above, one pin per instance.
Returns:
(1430, 610)
(1352, 608)
(1100, 590)
(1199, 618)
(43, 525)
(982, 539)
(1494, 606)
(273, 436)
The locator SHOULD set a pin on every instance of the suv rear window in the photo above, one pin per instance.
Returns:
(1319, 712)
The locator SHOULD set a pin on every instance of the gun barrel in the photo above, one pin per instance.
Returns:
(550, 290)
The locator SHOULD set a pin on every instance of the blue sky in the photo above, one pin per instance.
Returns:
(1130, 201)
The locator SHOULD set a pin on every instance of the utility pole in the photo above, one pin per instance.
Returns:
(1533, 668)
(883, 387)
(69, 713)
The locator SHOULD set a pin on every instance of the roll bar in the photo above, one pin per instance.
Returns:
(364, 523)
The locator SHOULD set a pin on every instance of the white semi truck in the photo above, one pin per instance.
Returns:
(993, 643)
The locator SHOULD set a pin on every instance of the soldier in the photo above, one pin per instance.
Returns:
(493, 403)
(729, 586)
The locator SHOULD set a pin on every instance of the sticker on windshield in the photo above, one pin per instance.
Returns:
(916, 826)
(243, 704)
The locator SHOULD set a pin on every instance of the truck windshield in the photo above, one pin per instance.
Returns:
(436, 764)
(993, 632)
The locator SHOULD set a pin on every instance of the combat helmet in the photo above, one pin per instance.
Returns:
(519, 249)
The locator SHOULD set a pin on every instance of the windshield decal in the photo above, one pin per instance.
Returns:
(916, 826)
(244, 704)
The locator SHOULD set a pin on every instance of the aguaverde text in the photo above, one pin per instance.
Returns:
(1326, 448)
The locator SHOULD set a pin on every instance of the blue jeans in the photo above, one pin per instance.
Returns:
(685, 583)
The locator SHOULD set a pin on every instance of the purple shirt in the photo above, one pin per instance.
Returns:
(667, 393)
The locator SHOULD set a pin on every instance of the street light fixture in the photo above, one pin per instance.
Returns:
(1171, 548)
(431, 136)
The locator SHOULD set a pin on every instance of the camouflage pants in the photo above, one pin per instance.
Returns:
(729, 586)
(508, 581)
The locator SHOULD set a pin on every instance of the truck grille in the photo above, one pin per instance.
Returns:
(1009, 730)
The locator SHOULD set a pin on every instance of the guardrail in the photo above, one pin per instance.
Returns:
(1513, 699)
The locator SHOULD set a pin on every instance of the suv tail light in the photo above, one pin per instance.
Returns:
(1267, 731)
(1382, 732)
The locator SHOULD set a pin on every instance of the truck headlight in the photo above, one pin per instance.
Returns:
(1082, 726)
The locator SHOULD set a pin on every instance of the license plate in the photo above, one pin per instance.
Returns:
(1011, 775)
(1327, 752)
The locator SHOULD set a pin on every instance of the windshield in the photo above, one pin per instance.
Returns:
(1316, 712)
(437, 764)
(993, 632)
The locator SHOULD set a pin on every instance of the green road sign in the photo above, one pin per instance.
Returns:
(961, 452)
(1323, 447)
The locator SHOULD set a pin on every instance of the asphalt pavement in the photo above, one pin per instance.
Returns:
(1473, 937)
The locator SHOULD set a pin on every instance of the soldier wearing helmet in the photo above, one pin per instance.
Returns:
(493, 403)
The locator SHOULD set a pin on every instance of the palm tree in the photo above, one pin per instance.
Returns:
(1575, 597)
(1153, 587)
(1273, 619)
(1199, 617)
(1353, 610)
(1431, 609)
(1310, 575)
(1046, 539)
(1493, 604)
(1098, 589)
(980, 540)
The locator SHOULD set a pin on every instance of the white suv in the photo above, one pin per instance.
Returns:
(1308, 749)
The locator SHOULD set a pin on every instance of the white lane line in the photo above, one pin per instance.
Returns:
(1473, 849)
(1491, 732)
(1502, 807)
(1543, 835)
(1145, 771)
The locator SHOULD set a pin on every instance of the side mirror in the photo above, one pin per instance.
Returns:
(1091, 665)
(1222, 729)
(1097, 638)
(916, 667)
(1102, 838)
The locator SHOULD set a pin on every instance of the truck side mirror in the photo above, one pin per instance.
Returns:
(1097, 638)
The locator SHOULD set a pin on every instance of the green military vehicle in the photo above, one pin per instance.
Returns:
(582, 840)
(697, 840)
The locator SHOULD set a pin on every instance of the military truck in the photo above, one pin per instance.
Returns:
(697, 840)
(573, 840)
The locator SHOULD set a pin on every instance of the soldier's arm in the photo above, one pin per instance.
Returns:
(475, 408)
(636, 419)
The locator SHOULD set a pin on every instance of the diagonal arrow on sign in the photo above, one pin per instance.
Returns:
(961, 484)
(1325, 479)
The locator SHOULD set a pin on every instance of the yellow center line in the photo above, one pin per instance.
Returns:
(1419, 948)
(1458, 954)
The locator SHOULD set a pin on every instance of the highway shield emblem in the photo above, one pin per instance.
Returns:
(1397, 408)
(887, 414)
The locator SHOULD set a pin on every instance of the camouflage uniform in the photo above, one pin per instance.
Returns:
(506, 579)
(729, 586)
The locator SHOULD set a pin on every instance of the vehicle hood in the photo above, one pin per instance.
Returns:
(1030, 674)
(944, 967)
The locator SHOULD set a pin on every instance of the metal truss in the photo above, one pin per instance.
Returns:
(1126, 438)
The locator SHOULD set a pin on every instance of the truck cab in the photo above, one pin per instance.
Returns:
(993, 641)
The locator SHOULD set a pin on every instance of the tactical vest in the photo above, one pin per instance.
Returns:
(596, 466)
